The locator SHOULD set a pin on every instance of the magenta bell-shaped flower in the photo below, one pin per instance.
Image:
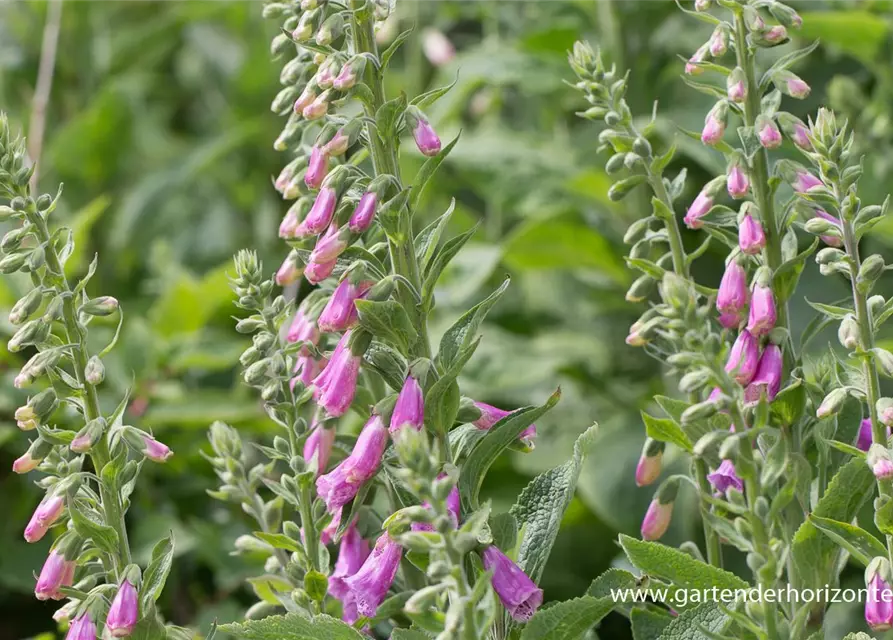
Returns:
(156, 451)
(733, 292)
(124, 612)
(518, 593)
(306, 369)
(335, 387)
(362, 216)
(56, 572)
(865, 435)
(330, 245)
(490, 415)
(768, 376)
(82, 628)
(45, 515)
(340, 312)
(303, 329)
(352, 553)
(317, 167)
(744, 358)
(698, 209)
(425, 138)
(761, 319)
(879, 604)
(409, 412)
(319, 445)
(320, 215)
(316, 272)
(714, 128)
(725, 478)
(751, 237)
(371, 583)
(339, 486)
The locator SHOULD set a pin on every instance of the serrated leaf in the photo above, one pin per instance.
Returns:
(567, 620)
(691, 624)
(427, 172)
(648, 624)
(157, 571)
(666, 430)
(542, 504)
(388, 321)
(862, 545)
(293, 626)
(499, 437)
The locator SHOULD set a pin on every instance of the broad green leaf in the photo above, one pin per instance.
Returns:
(157, 571)
(542, 504)
(278, 540)
(103, 536)
(858, 33)
(789, 404)
(611, 579)
(440, 260)
(388, 321)
(688, 625)
(499, 437)
(648, 624)
(293, 626)
(459, 336)
(427, 239)
(815, 553)
(409, 634)
(666, 430)
(677, 567)
(427, 172)
(862, 545)
(267, 587)
(504, 529)
(554, 244)
(567, 620)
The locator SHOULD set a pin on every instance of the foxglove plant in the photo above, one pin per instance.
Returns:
(89, 469)
(398, 504)
(782, 455)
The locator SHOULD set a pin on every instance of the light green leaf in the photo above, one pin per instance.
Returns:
(459, 336)
(293, 626)
(388, 321)
(157, 571)
(427, 172)
(567, 620)
(689, 624)
(427, 239)
(648, 624)
(666, 430)
(862, 545)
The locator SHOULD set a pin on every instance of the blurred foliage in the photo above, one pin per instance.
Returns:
(158, 125)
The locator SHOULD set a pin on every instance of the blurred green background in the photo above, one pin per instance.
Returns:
(159, 125)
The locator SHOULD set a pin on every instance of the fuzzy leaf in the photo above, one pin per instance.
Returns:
(567, 620)
(157, 571)
(387, 320)
(293, 626)
(459, 336)
(103, 536)
(862, 545)
(427, 172)
(427, 239)
(648, 624)
(666, 430)
(693, 623)
(440, 260)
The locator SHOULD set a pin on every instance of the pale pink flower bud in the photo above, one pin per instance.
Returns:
(733, 293)
(25, 463)
(714, 128)
(331, 244)
(698, 209)
(316, 272)
(649, 466)
(751, 237)
(305, 99)
(288, 272)
(340, 312)
(316, 168)
(831, 241)
(156, 451)
(657, 520)
(46, 514)
(362, 216)
(692, 67)
(425, 138)
(737, 182)
(744, 358)
(769, 135)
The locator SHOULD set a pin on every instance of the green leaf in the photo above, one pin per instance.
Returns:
(666, 430)
(428, 238)
(442, 399)
(278, 541)
(293, 626)
(567, 620)
(677, 567)
(504, 529)
(542, 504)
(387, 116)
(268, 587)
(440, 260)
(611, 579)
(787, 61)
(392, 49)
(428, 98)
(459, 336)
(858, 33)
(830, 310)
(427, 172)
(648, 624)
(862, 545)
(689, 624)
(499, 437)
(789, 404)
(388, 321)
(552, 244)
(785, 278)
(103, 536)
(157, 571)
(815, 553)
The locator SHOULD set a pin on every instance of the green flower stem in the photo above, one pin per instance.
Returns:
(711, 539)
(100, 454)
(760, 169)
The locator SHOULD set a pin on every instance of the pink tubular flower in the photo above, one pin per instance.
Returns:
(831, 241)
(804, 181)
(330, 245)
(124, 612)
(316, 168)
(744, 358)
(518, 593)
(371, 583)
(335, 387)
(725, 478)
(768, 377)
(879, 604)
(865, 435)
(25, 463)
(319, 445)
(303, 329)
(692, 67)
(352, 553)
(409, 412)
(656, 520)
(306, 369)
(800, 137)
(288, 272)
(769, 135)
(316, 272)
(362, 216)
(490, 415)
(751, 237)
(340, 312)
(82, 628)
(650, 463)
(737, 182)
(320, 215)
(45, 515)
(796, 87)
(56, 572)
(698, 209)
(156, 451)
(339, 486)
(714, 128)
(425, 138)
(730, 319)
(733, 293)
(762, 310)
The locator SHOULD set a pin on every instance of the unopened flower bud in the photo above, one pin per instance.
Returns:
(102, 306)
(94, 371)
(25, 307)
(848, 332)
(832, 404)
(424, 135)
(791, 84)
(737, 182)
(124, 611)
(736, 86)
(350, 73)
(751, 237)
(761, 319)
(692, 67)
(657, 518)
(768, 133)
(648, 469)
(88, 436)
(715, 123)
(719, 41)
(733, 293)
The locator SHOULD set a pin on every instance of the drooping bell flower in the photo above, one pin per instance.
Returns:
(768, 376)
(730, 319)
(831, 241)
(715, 123)
(303, 329)
(879, 600)
(660, 512)
(761, 319)
(289, 272)
(865, 435)
(320, 215)
(744, 358)
(362, 216)
(306, 369)
(650, 462)
(339, 486)
(409, 412)
(56, 572)
(316, 168)
(330, 245)
(703, 203)
(44, 516)
(423, 133)
(124, 612)
(490, 415)
(767, 133)
(793, 85)
(751, 237)
(737, 182)
(82, 628)
(692, 67)
(736, 86)
(371, 583)
(335, 387)
(725, 478)
(733, 292)
(319, 445)
(32, 458)
(340, 312)
(518, 593)
(352, 553)
(156, 451)
(316, 272)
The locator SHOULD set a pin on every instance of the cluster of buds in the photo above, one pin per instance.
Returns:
(90, 465)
